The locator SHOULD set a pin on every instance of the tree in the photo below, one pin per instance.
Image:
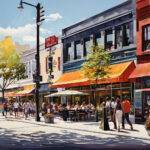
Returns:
(96, 66)
(11, 67)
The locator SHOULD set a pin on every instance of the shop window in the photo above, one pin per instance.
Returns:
(108, 39)
(147, 83)
(126, 85)
(146, 38)
(79, 50)
(116, 85)
(87, 46)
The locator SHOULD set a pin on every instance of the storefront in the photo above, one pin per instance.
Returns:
(115, 84)
(141, 78)
(45, 90)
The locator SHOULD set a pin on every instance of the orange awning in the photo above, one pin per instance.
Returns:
(10, 94)
(117, 73)
(27, 90)
(141, 70)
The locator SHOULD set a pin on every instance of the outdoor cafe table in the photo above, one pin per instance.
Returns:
(77, 115)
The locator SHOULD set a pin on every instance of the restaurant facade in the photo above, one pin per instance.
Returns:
(141, 75)
(115, 30)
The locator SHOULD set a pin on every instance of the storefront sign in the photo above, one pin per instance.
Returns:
(51, 41)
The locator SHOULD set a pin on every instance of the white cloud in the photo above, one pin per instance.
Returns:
(29, 38)
(53, 17)
(25, 34)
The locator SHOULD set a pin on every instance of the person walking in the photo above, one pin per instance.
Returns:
(112, 111)
(16, 107)
(126, 106)
(5, 109)
(118, 113)
(26, 108)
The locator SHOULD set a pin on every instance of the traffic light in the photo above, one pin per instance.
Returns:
(42, 11)
(40, 14)
(50, 63)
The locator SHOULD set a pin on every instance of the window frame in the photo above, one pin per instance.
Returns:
(145, 42)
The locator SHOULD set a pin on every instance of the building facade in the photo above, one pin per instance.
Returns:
(25, 88)
(113, 29)
(141, 75)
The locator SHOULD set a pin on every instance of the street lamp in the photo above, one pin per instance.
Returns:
(37, 77)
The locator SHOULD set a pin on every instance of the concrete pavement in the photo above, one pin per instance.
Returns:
(28, 134)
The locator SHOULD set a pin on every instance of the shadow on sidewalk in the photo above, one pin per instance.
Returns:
(66, 139)
(41, 140)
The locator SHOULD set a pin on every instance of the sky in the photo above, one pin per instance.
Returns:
(59, 14)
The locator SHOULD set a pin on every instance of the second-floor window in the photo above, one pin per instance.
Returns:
(108, 39)
(78, 50)
(98, 40)
(28, 69)
(146, 38)
(87, 46)
(127, 34)
(69, 53)
(118, 37)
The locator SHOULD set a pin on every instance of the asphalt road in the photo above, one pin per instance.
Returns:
(79, 147)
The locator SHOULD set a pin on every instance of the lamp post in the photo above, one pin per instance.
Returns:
(37, 77)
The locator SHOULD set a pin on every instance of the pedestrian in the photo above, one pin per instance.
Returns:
(118, 113)
(112, 111)
(5, 109)
(108, 101)
(16, 107)
(26, 109)
(126, 106)
(65, 113)
(10, 107)
(44, 109)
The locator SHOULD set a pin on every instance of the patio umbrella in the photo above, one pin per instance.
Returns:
(66, 93)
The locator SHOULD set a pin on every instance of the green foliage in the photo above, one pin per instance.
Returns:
(97, 63)
(11, 67)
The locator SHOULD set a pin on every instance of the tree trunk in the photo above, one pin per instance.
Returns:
(3, 95)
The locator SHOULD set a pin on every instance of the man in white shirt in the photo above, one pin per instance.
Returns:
(16, 107)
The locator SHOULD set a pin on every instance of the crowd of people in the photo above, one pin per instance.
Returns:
(119, 111)
(65, 109)
(19, 109)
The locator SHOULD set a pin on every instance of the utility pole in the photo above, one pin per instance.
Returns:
(36, 77)
(37, 62)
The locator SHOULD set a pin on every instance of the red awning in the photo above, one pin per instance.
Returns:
(141, 70)
(117, 73)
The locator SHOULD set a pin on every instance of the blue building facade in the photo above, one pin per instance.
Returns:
(114, 29)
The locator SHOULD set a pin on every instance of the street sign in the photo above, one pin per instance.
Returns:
(36, 78)
(51, 41)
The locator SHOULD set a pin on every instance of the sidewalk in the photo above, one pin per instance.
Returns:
(29, 133)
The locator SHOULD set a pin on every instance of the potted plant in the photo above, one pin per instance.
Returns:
(49, 118)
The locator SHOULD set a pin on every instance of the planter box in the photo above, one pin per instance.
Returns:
(49, 119)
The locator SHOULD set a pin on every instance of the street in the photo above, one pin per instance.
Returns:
(28, 134)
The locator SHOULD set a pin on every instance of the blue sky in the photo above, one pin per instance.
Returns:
(59, 14)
